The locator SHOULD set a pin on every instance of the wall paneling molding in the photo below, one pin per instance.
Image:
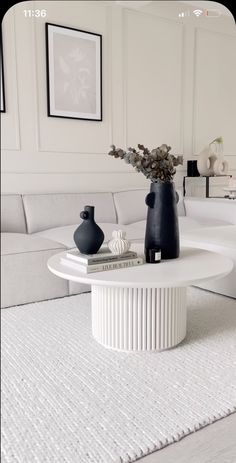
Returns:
(11, 118)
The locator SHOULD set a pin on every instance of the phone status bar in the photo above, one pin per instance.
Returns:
(198, 13)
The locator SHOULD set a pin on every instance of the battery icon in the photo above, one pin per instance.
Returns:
(212, 13)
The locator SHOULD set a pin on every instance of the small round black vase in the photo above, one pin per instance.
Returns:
(88, 237)
(162, 227)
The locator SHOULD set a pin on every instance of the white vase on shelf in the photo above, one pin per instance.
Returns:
(205, 162)
(211, 159)
(220, 167)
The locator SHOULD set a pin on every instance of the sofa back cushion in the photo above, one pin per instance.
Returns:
(211, 208)
(12, 214)
(131, 206)
(44, 211)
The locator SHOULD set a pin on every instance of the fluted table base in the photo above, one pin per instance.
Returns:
(138, 319)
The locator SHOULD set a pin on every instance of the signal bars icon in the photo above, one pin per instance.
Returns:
(183, 14)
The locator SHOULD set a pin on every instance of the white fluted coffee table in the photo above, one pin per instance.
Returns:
(144, 307)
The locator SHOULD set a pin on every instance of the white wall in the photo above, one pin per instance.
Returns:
(165, 80)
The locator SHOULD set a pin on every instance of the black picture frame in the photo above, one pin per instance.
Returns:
(2, 94)
(62, 66)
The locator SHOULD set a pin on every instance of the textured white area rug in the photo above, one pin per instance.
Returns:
(68, 399)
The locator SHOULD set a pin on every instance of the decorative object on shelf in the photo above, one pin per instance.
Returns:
(205, 161)
(88, 237)
(74, 73)
(220, 167)
(207, 188)
(192, 170)
(158, 165)
(2, 95)
(231, 188)
(211, 161)
(119, 244)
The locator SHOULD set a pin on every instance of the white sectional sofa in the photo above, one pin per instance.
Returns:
(36, 226)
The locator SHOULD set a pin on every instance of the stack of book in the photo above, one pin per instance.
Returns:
(103, 260)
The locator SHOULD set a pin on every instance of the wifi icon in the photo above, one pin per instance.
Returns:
(197, 12)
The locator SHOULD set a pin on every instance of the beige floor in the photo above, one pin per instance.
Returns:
(213, 444)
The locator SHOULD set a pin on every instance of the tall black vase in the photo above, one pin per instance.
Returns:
(88, 237)
(162, 228)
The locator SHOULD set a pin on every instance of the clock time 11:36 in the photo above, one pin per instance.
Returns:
(35, 13)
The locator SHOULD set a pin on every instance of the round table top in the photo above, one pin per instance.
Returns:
(192, 267)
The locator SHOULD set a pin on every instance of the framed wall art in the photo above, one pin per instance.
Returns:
(2, 94)
(74, 73)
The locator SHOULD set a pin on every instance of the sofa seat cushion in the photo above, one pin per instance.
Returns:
(25, 277)
(134, 232)
(16, 243)
(223, 241)
(211, 208)
(64, 235)
(188, 223)
(214, 237)
(185, 224)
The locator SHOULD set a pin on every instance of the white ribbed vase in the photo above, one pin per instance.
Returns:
(138, 319)
(119, 244)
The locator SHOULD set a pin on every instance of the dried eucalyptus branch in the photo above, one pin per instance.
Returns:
(157, 165)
